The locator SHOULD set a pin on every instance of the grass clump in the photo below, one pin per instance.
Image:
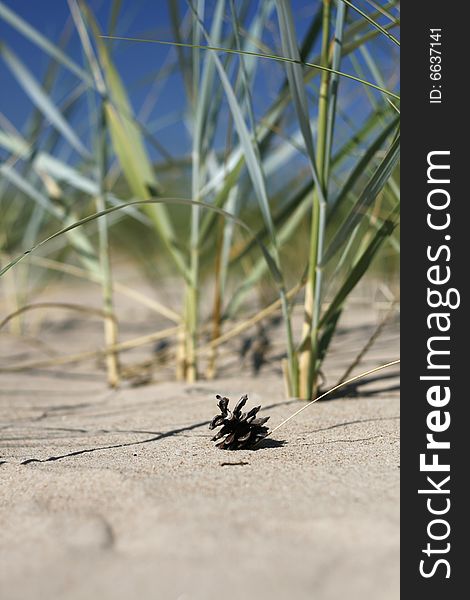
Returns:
(283, 131)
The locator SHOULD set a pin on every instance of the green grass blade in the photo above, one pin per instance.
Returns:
(275, 57)
(87, 47)
(361, 266)
(296, 85)
(312, 34)
(246, 141)
(32, 88)
(333, 86)
(277, 276)
(78, 240)
(369, 194)
(359, 169)
(59, 171)
(372, 22)
(296, 216)
(42, 42)
(257, 178)
(130, 149)
(14, 143)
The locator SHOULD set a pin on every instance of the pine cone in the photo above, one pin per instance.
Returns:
(239, 430)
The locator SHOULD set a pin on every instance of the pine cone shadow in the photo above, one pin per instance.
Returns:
(268, 443)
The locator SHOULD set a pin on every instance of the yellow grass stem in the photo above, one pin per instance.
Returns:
(110, 324)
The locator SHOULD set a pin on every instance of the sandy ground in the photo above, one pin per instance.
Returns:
(120, 494)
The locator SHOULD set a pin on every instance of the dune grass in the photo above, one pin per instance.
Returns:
(256, 172)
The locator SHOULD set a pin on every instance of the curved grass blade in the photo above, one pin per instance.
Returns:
(264, 129)
(372, 22)
(182, 201)
(383, 10)
(258, 54)
(80, 242)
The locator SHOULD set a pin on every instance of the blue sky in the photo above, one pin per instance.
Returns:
(138, 64)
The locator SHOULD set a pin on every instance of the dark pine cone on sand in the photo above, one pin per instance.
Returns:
(239, 429)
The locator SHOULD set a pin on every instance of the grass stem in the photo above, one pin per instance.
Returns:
(309, 347)
(110, 323)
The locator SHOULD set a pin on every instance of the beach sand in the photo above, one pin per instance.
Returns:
(119, 494)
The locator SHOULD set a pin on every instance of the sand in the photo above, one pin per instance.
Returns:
(121, 494)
